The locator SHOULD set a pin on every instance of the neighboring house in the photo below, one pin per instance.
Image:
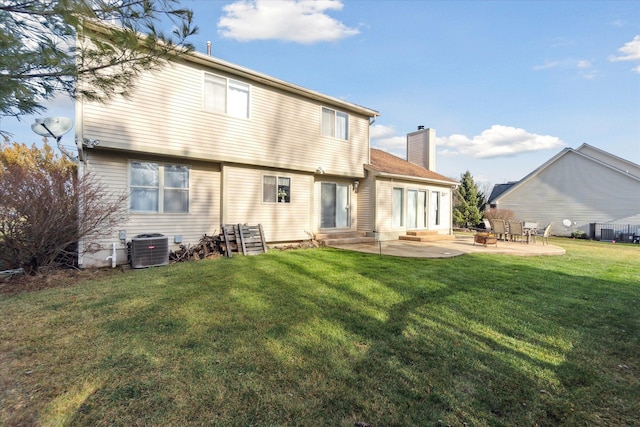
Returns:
(585, 185)
(205, 142)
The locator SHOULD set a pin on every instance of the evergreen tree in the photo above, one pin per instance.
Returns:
(93, 49)
(466, 212)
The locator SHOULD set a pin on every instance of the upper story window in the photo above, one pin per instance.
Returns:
(276, 189)
(335, 124)
(226, 96)
(158, 188)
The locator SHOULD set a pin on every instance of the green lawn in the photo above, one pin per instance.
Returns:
(330, 338)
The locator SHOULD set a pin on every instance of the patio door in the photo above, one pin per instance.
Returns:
(416, 209)
(334, 209)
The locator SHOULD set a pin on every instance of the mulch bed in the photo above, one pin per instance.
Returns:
(54, 279)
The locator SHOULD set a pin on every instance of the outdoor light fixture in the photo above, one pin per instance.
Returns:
(90, 143)
(320, 170)
(54, 127)
(356, 184)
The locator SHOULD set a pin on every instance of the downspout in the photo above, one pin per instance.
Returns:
(112, 257)
(451, 210)
(371, 122)
(374, 182)
(81, 155)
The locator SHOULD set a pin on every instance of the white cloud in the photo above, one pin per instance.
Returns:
(584, 66)
(619, 23)
(547, 65)
(498, 141)
(301, 21)
(385, 138)
(583, 63)
(629, 52)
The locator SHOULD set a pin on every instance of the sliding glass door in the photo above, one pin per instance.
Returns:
(416, 209)
(334, 199)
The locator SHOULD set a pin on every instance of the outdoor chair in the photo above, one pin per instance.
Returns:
(546, 233)
(530, 230)
(487, 224)
(499, 228)
(516, 231)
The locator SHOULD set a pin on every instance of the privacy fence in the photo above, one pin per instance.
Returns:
(628, 233)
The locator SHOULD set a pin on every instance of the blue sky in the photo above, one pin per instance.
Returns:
(506, 85)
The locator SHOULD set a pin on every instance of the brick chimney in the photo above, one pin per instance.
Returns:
(421, 148)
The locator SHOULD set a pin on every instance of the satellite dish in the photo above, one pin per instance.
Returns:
(52, 126)
(566, 222)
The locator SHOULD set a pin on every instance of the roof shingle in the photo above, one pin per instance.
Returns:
(384, 162)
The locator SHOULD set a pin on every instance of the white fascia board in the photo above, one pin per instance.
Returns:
(411, 178)
(246, 73)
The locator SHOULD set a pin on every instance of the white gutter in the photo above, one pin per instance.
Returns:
(413, 178)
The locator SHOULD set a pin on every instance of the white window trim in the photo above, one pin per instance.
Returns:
(277, 177)
(402, 206)
(161, 188)
(228, 81)
(335, 124)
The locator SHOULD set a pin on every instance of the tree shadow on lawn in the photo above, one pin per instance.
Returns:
(354, 337)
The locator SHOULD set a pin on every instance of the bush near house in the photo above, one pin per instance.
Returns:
(40, 198)
(495, 213)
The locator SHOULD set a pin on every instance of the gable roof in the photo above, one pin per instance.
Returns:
(388, 165)
(213, 63)
(615, 161)
(498, 189)
(565, 152)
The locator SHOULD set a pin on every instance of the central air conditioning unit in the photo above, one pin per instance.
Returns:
(149, 250)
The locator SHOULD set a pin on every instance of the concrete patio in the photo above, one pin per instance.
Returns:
(451, 248)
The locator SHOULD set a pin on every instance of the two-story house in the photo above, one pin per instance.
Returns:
(204, 142)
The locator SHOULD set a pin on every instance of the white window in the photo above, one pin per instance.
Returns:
(335, 124)
(226, 96)
(276, 189)
(397, 206)
(435, 208)
(158, 188)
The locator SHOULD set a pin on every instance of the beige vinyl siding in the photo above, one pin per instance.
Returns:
(367, 203)
(281, 221)
(165, 115)
(384, 210)
(574, 188)
(112, 169)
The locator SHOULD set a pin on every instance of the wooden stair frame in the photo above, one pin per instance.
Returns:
(249, 238)
(343, 238)
(425, 236)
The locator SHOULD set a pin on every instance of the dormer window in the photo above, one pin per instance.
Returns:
(335, 124)
(226, 96)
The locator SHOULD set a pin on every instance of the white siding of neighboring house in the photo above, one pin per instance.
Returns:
(112, 170)
(243, 203)
(573, 188)
(385, 188)
(165, 116)
(609, 159)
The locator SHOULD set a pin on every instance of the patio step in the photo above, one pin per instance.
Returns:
(343, 238)
(425, 236)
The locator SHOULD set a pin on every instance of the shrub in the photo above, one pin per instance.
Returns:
(578, 234)
(495, 213)
(41, 196)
